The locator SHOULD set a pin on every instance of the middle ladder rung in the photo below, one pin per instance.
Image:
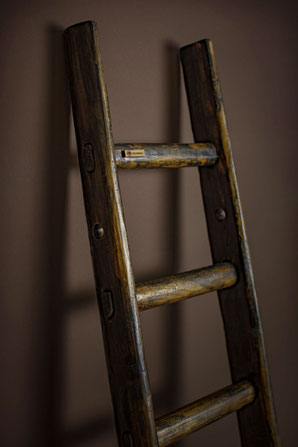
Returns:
(131, 156)
(185, 285)
(192, 417)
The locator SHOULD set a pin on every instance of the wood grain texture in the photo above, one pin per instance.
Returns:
(192, 417)
(108, 241)
(228, 243)
(185, 285)
(111, 261)
(164, 155)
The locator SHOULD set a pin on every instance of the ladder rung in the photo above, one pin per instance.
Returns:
(192, 417)
(131, 156)
(185, 285)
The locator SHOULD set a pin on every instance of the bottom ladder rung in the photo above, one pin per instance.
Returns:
(192, 417)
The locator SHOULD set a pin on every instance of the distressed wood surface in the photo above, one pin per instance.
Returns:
(185, 285)
(228, 243)
(108, 240)
(192, 417)
(112, 267)
(131, 156)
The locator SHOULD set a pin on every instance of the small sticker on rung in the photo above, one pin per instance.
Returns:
(134, 153)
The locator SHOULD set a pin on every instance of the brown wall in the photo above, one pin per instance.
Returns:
(53, 376)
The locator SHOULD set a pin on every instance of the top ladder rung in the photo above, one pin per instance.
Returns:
(131, 156)
(179, 424)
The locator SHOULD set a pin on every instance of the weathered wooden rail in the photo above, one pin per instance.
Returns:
(120, 299)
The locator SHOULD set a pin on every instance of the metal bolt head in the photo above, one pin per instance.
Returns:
(98, 231)
(220, 214)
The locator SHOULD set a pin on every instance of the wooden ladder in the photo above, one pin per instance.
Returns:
(120, 299)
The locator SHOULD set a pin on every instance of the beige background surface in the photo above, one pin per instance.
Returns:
(54, 388)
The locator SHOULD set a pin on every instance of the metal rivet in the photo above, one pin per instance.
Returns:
(220, 214)
(98, 231)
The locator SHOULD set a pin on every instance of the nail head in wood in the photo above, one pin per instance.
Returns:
(220, 214)
(98, 231)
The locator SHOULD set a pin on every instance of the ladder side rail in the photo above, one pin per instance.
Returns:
(114, 280)
(228, 244)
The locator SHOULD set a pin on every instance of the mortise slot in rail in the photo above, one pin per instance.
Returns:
(132, 156)
(185, 285)
(192, 417)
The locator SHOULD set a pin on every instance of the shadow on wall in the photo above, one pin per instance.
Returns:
(58, 165)
(168, 396)
(58, 303)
